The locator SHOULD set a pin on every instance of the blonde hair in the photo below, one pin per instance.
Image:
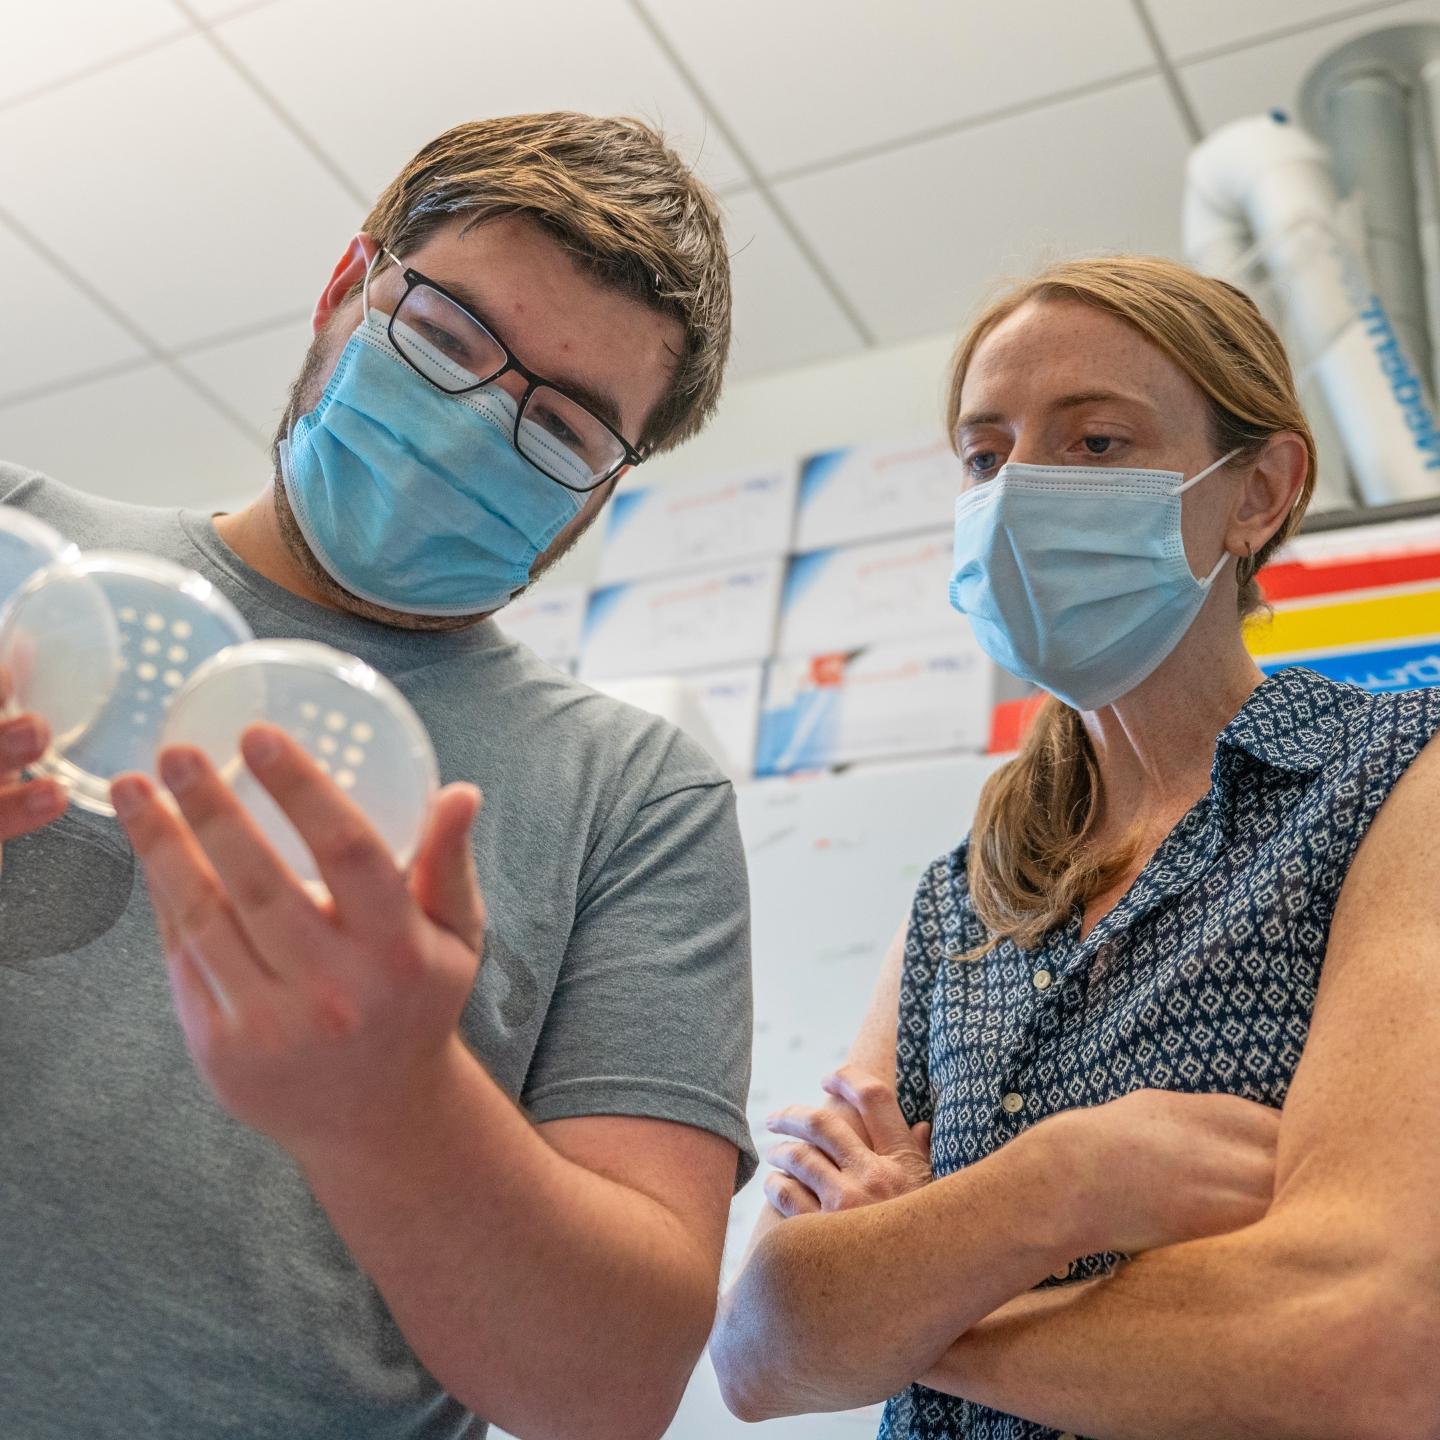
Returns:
(619, 200)
(1032, 858)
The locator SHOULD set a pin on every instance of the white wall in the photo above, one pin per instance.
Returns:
(885, 393)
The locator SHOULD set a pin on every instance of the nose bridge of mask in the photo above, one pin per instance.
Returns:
(491, 402)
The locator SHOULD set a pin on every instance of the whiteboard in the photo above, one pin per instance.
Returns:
(834, 861)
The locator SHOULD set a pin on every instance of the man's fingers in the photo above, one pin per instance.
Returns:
(442, 877)
(370, 894)
(187, 894)
(277, 916)
(27, 807)
(23, 740)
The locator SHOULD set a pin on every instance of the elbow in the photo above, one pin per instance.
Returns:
(747, 1352)
(744, 1398)
(631, 1393)
(739, 1371)
(1399, 1398)
(1370, 1358)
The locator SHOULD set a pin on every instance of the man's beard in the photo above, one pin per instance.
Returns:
(304, 395)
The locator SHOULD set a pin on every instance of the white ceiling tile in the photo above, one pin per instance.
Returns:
(254, 373)
(918, 236)
(783, 313)
(166, 182)
(209, 11)
(395, 77)
(143, 436)
(61, 38)
(1187, 28)
(54, 331)
(1261, 77)
(806, 80)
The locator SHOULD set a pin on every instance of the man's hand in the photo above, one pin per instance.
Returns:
(24, 806)
(315, 1022)
(836, 1165)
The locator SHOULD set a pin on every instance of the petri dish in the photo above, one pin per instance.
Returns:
(27, 545)
(112, 637)
(356, 726)
(59, 650)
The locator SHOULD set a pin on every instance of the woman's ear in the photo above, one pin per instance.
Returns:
(1269, 493)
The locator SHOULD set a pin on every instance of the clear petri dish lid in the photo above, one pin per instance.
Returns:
(59, 650)
(27, 545)
(357, 727)
(111, 638)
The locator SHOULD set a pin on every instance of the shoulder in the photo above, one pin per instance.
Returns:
(16, 479)
(1307, 724)
(639, 748)
(619, 772)
(91, 521)
(1381, 733)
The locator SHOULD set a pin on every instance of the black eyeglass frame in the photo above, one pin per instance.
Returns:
(630, 454)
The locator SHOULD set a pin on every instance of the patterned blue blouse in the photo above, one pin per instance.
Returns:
(1201, 979)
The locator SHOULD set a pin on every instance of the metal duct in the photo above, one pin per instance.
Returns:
(1370, 101)
(1263, 189)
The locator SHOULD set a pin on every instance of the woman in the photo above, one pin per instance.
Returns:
(1192, 879)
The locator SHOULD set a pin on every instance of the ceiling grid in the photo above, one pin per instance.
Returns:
(876, 174)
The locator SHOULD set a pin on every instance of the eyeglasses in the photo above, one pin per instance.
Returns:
(457, 353)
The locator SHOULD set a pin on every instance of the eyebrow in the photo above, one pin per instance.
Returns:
(1065, 402)
(603, 404)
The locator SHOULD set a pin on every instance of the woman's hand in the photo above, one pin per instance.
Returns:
(856, 1152)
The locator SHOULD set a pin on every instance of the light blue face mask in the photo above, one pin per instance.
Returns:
(1074, 577)
(414, 499)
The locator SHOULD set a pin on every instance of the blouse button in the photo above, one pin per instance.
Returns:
(1012, 1103)
(1042, 979)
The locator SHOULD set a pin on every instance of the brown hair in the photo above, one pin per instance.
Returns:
(1032, 859)
(619, 200)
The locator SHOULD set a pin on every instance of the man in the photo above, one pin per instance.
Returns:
(468, 1156)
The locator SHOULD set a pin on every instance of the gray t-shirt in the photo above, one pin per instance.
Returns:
(163, 1270)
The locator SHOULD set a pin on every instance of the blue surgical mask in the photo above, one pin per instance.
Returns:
(414, 499)
(1074, 577)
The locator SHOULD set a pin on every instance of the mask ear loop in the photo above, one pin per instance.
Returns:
(1209, 469)
(1195, 480)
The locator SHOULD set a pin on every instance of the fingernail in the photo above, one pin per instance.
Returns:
(127, 796)
(41, 800)
(22, 740)
(179, 769)
(261, 746)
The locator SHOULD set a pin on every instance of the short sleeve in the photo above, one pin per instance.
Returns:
(652, 1011)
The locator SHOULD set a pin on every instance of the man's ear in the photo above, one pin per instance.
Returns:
(349, 272)
(1270, 492)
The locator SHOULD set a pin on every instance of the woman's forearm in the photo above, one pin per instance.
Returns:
(843, 1309)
